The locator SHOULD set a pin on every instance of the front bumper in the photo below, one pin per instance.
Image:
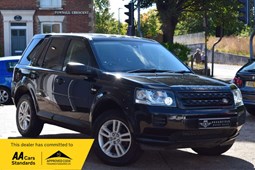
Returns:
(189, 128)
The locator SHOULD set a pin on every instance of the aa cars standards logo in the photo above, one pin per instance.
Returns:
(19, 158)
(58, 158)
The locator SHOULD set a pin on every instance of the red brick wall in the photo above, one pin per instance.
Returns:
(80, 23)
(17, 4)
(71, 23)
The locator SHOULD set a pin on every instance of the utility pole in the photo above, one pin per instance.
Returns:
(252, 35)
(119, 20)
(206, 32)
(244, 16)
(219, 33)
(138, 18)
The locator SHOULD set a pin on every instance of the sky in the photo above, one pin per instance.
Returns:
(117, 6)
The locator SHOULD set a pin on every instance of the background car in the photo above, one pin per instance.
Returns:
(245, 80)
(7, 65)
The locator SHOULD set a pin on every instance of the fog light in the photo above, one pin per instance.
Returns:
(168, 101)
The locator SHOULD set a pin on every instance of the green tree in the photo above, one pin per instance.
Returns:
(105, 22)
(150, 24)
(225, 16)
(179, 50)
(123, 28)
(171, 12)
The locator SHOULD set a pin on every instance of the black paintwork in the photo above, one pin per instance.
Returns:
(75, 100)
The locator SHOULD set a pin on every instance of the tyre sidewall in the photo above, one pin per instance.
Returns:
(129, 157)
(35, 126)
(9, 95)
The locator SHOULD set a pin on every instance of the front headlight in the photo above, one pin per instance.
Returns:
(237, 97)
(155, 97)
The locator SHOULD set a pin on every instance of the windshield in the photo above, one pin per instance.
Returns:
(128, 56)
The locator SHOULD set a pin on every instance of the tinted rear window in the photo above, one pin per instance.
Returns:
(54, 56)
(32, 52)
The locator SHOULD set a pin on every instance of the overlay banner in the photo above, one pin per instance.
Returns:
(44, 153)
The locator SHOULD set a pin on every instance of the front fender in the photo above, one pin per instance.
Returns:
(104, 102)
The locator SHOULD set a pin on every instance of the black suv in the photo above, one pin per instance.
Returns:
(125, 92)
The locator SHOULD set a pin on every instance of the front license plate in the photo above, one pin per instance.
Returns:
(250, 83)
(207, 123)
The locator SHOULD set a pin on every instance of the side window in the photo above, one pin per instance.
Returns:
(48, 27)
(36, 55)
(50, 3)
(31, 52)
(77, 52)
(55, 54)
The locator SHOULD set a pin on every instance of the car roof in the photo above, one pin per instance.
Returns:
(10, 58)
(96, 36)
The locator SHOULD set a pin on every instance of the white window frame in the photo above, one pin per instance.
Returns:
(50, 4)
(52, 23)
(8, 18)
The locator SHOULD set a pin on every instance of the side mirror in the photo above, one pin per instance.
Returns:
(78, 69)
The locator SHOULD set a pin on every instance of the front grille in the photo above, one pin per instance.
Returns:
(205, 99)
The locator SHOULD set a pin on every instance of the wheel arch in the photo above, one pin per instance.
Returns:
(24, 90)
(107, 105)
(5, 87)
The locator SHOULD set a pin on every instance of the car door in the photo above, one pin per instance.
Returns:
(73, 92)
(51, 62)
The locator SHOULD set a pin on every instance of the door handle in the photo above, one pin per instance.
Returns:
(59, 81)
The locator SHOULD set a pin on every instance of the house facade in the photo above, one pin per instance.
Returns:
(21, 19)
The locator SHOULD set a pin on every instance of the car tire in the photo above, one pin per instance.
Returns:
(214, 151)
(28, 124)
(251, 110)
(5, 95)
(114, 143)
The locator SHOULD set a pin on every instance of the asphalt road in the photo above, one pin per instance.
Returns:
(240, 157)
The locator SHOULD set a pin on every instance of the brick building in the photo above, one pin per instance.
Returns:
(21, 19)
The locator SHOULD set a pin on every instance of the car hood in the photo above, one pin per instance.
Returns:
(173, 79)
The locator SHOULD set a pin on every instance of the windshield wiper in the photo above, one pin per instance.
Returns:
(183, 71)
(153, 70)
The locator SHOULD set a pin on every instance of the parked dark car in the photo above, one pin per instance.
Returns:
(245, 80)
(6, 70)
(125, 92)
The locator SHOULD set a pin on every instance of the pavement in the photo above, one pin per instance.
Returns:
(224, 72)
(240, 157)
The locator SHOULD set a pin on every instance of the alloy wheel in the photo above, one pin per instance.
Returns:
(24, 115)
(4, 96)
(114, 138)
